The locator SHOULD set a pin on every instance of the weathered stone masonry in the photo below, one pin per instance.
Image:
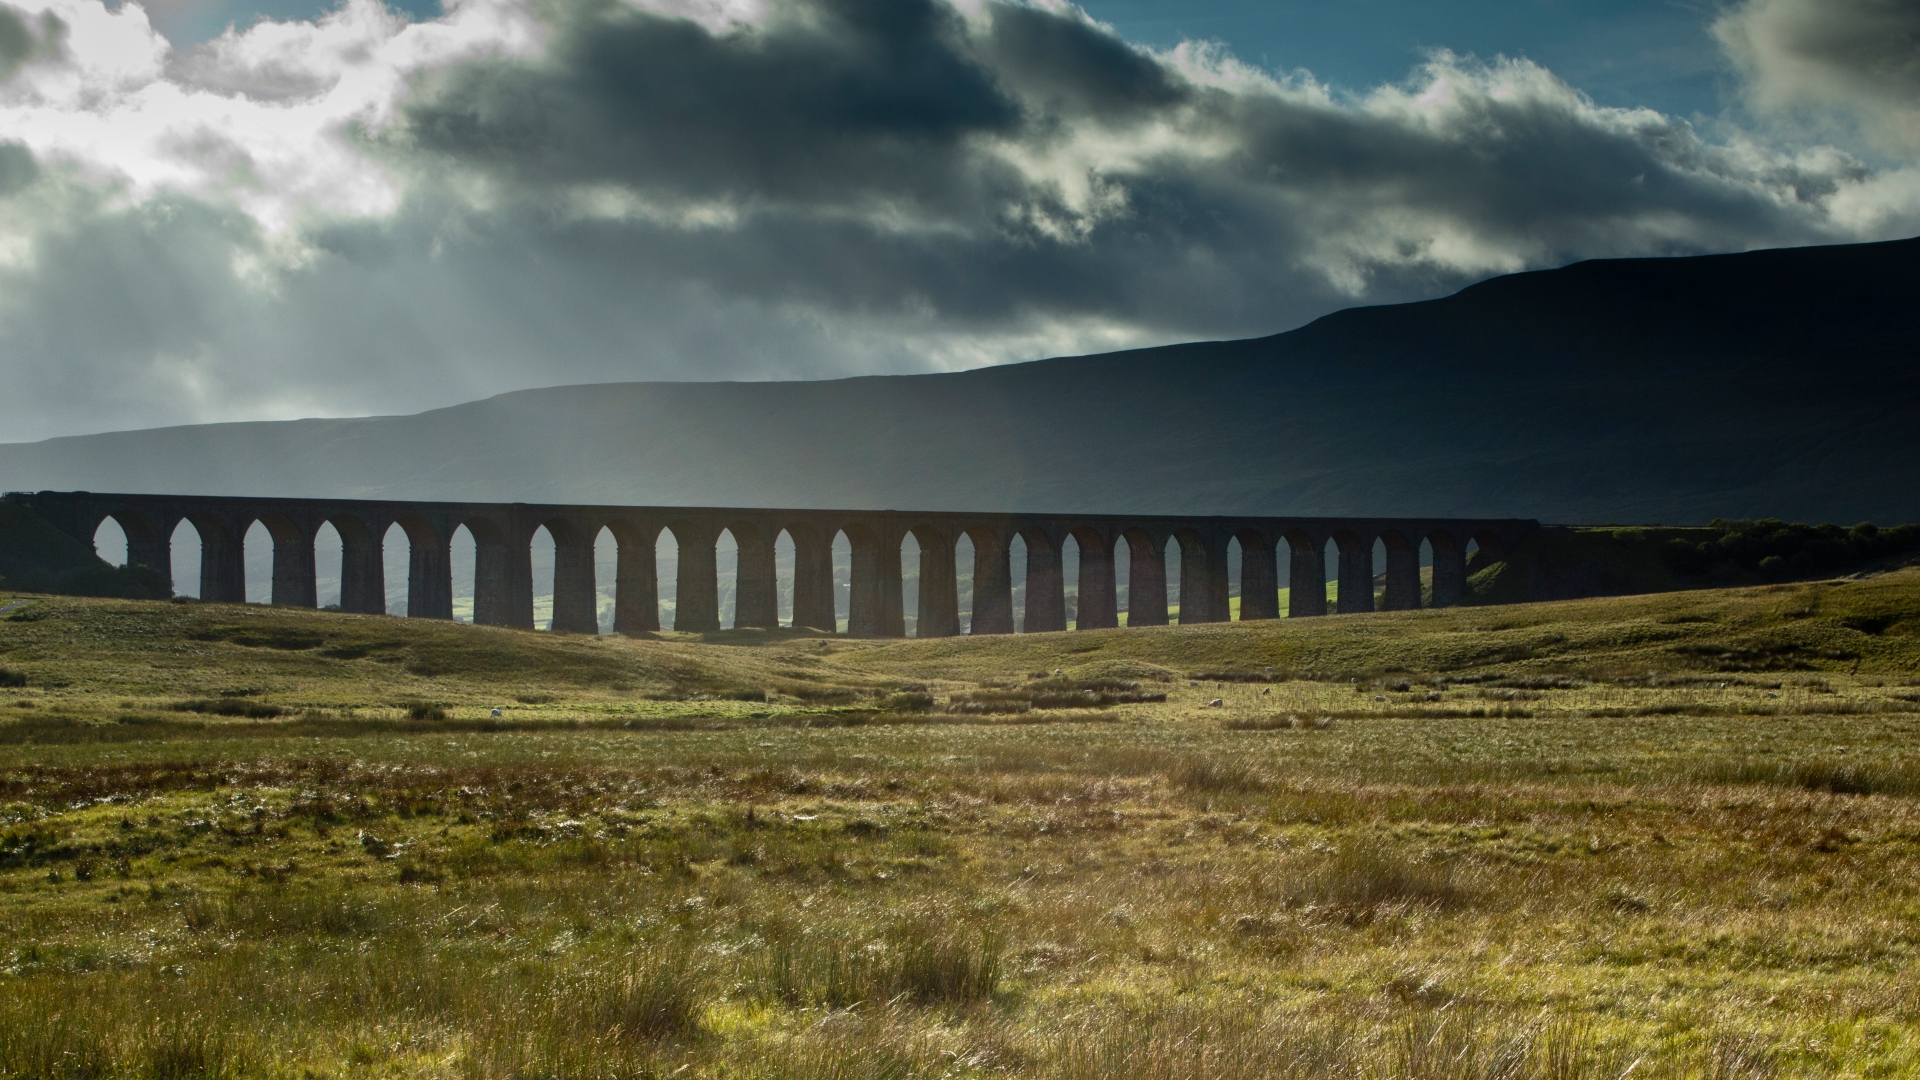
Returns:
(503, 575)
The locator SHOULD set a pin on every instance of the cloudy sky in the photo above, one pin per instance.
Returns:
(247, 209)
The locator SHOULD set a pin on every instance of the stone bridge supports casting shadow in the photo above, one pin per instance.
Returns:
(1099, 600)
(503, 588)
(697, 592)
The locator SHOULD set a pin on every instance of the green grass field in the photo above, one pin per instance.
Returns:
(1664, 836)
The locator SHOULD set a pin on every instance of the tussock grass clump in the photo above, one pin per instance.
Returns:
(51, 1031)
(946, 965)
(989, 703)
(921, 960)
(301, 911)
(1218, 775)
(609, 1019)
(1823, 775)
(1761, 654)
(1289, 721)
(1365, 876)
(1241, 1043)
(229, 706)
(1740, 1058)
(1093, 699)
(1261, 723)
(886, 1043)
(1267, 675)
(1052, 693)
(655, 995)
(1449, 1045)
(702, 692)
(1532, 682)
(1175, 1044)
(314, 723)
(823, 695)
(189, 1048)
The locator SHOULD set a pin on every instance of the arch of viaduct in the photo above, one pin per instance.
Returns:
(503, 578)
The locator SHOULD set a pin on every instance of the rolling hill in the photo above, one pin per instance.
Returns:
(1772, 383)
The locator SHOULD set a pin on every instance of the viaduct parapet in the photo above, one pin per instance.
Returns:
(503, 576)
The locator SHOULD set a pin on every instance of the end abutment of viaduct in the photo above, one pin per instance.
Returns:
(503, 572)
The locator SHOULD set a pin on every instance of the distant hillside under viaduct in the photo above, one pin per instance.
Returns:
(1776, 383)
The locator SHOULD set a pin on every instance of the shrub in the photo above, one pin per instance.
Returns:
(1776, 549)
(421, 710)
(1689, 559)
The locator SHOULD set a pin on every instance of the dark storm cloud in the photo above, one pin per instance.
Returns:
(1068, 69)
(834, 100)
(831, 187)
(25, 37)
(18, 169)
(892, 157)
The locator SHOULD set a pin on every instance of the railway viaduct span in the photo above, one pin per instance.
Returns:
(503, 577)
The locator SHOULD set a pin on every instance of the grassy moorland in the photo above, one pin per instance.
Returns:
(1671, 836)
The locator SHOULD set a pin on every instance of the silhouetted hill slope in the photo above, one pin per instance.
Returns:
(1774, 383)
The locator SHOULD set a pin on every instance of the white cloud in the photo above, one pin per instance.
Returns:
(265, 118)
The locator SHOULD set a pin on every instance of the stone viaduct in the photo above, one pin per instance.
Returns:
(503, 577)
